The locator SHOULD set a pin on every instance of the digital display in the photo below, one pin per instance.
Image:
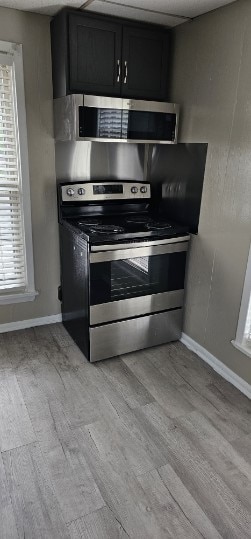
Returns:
(107, 189)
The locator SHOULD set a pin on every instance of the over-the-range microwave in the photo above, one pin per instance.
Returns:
(112, 119)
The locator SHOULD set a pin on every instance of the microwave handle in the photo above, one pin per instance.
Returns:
(126, 72)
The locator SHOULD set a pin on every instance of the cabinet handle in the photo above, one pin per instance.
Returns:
(126, 72)
(118, 70)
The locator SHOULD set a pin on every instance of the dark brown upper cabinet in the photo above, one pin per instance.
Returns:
(108, 56)
(144, 63)
(94, 55)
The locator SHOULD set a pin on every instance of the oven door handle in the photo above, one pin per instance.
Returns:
(116, 246)
(125, 254)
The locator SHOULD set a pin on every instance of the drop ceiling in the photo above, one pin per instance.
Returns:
(165, 12)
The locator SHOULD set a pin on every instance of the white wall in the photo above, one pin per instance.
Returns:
(212, 81)
(33, 31)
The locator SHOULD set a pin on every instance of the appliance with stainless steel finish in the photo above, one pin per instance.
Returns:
(111, 119)
(133, 334)
(122, 268)
(143, 251)
(129, 308)
(101, 191)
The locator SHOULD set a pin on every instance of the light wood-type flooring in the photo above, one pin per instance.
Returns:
(153, 444)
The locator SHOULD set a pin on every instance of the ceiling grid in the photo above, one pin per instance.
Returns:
(164, 12)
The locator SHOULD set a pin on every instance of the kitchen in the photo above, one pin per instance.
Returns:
(120, 403)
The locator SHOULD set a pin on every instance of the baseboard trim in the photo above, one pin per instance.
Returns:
(33, 322)
(217, 365)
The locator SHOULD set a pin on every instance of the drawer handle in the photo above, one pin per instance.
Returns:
(126, 72)
(118, 70)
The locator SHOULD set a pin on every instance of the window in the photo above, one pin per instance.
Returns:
(16, 255)
(243, 335)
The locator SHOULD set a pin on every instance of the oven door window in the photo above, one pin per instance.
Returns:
(122, 279)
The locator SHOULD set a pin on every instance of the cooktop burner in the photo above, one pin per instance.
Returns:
(119, 227)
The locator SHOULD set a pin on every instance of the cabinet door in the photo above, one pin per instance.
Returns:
(95, 56)
(145, 63)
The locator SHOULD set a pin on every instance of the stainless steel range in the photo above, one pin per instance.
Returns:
(122, 268)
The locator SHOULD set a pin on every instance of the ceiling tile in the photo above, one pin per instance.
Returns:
(118, 10)
(156, 11)
(185, 8)
(46, 7)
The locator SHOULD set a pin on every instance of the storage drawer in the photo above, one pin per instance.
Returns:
(129, 335)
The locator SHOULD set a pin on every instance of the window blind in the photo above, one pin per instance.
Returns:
(12, 244)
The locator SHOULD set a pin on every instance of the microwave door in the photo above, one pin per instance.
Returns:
(97, 123)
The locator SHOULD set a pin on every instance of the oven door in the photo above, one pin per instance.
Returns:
(134, 281)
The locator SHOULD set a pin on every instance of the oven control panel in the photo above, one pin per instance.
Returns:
(99, 191)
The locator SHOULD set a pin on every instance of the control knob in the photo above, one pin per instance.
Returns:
(70, 192)
(134, 189)
(143, 189)
(81, 191)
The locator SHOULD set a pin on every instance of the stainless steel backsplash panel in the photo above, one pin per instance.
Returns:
(176, 174)
(81, 160)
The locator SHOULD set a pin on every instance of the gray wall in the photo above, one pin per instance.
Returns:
(212, 82)
(33, 31)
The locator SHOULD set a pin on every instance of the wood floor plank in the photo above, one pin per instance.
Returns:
(157, 384)
(180, 365)
(73, 483)
(93, 381)
(21, 345)
(243, 446)
(219, 503)
(45, 340)
(36, 511)
(139, 431)
(69, 358)
(232, 394)
(82, 404)
(15, 424)
(115, 441)
(5, 361)
(217, 415)
(8, 529)
(47, 377)
(35, 399)
(133, 392)
(97, 525)
(227, 462)
(241, 418)
(187, 503)
(121, 492)
(60, 334)
(173, 520)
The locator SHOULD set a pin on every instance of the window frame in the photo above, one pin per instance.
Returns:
(14, 50)
(239, 341)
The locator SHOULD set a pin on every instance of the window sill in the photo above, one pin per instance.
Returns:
(244, 349)
(18, 297)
